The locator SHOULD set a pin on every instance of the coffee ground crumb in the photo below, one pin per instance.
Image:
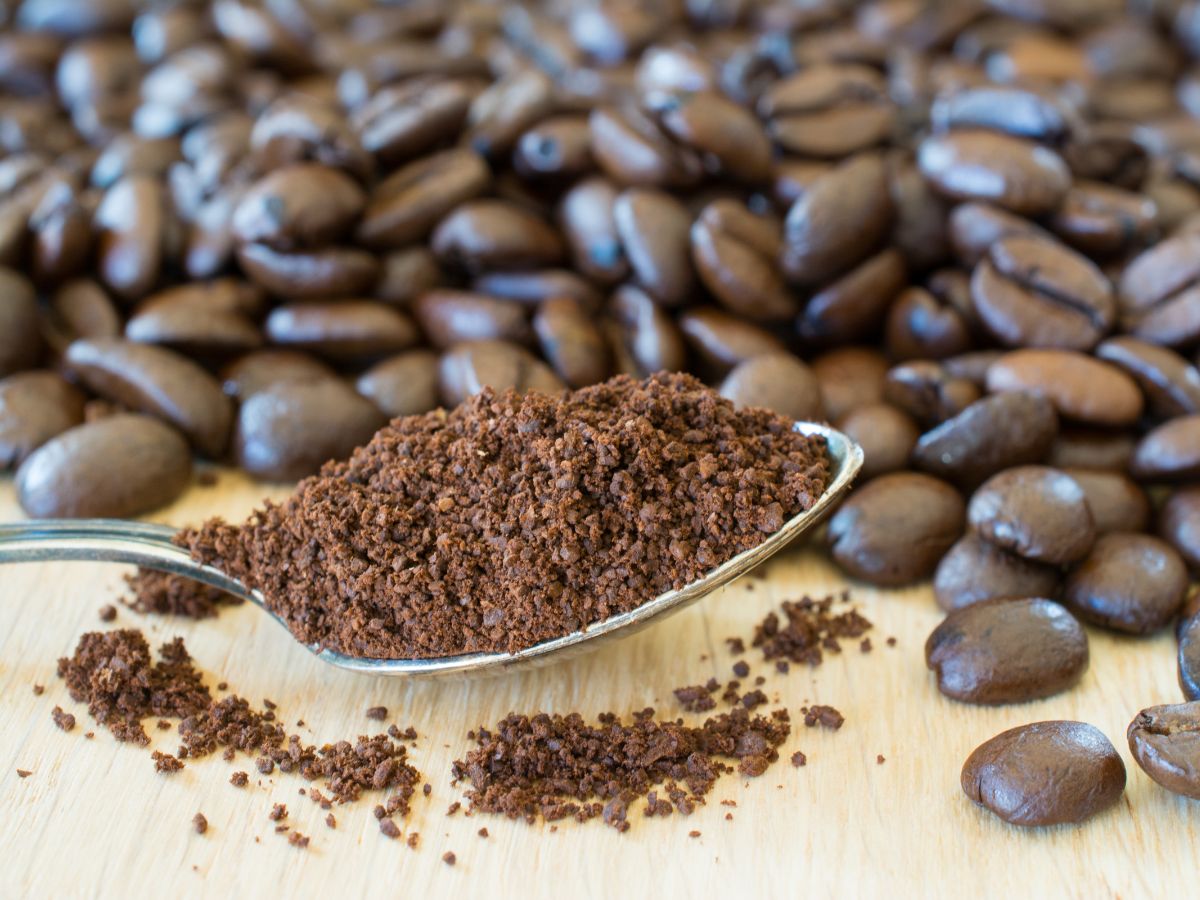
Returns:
(880, 759)
(483, 832)
(427, 789)
(296, 839)
(108, 613)
(453, 807)
(23, 773)
(239, 779)
(741, 668)
(165, 762)
(449, 858)
(891, 642)
(63, 720)
(414, 838)
(200, 823)
(389, 828)
(825, 716)
(89, 734)
(378, 713)
(693, 834)
(515, 519)
(164, 594)
(696, 697)
(38, 690)
(278, 812)
(810, 628)
(331, 821)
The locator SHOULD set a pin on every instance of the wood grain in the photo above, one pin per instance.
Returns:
(95, 820)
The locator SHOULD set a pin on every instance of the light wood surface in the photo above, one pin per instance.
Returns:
(95, 819)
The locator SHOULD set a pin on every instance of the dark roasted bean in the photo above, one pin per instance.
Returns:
(975, 570)
(1132, 583)
(1036, 512)
(1160, 294)
(1165, 742)
(35, 406)
(260, 369)
(925, 391)
(721, 340)
(572, 342)
(1117, 502)
(1013, 173)
(778, 382)
(20, 336)
(850, 377)
(1171, 452)
(886, 434)
(342, 330)
(736, 254)
(653, 229)
(1082, 389)
(468, 368)
(402, 385)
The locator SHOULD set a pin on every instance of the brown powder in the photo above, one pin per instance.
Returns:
(108, 613)
(200, 823)
(553, 766)
(513, 520)
(161, 593)
(23, 773)
(63, 720)
(165, 762)
(825, 716)
(810, 628)
(239, 779)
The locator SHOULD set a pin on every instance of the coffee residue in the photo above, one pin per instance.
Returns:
(162, 593)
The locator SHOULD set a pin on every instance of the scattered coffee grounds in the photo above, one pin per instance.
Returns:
(113, 673)
(453, 807)
(697, 697)
(427, 789)
(516, 519)
(38, 690)
(165, 762)
(799, 759)
(553, 766)
(449, 858)
(389, 828)
(23, 773)
(278, 812)
(108, 613)
(413, 839)
(880, 759)
(693, 834)
(891, 642)
(63, 720)
(282, 829)
(825, 716)
(736, 645)
(331, 820)
(89, 734)
(865, 645)
(161, 593)
(378, 713)
(296, 839)
(483, 832)
(200, 823)
(741, 668)
(408, 734)
(265, 765)
(810, 628)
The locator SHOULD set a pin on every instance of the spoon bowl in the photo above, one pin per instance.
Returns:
(149, 545)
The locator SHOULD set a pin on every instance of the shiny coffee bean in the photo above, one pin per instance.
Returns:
(997, 432)
(289, 429)
(920, 227)
(975, 570)
(721, 340)
(402, 385)
(850, 308)
(778, 382)
(1179, 524)
(1036, 512)
(407, 274)
(79, 309)
(1082, 389)
(35, 406)
(735, 253)
(119, 467)
(1170, 452)
(1009, 650)
(468, 368)
(850, 377)
(20, 336)
(131, 222)
(1015, 174)
(726, 136)
(1109, 451)
(921, 326)
(450, 317)
(1188, 656)
(215, 318)
(829, 111)
(559, 147)
(159, 382)
(1102, 220)
(587, 216)
(1116, 501)
(298, 206)
(1165, 742)
(572, 342)
(495, 234)
(975, 227)
(1016, 112)
(1171, 384)
(1045, 773)
(927, 393)
(893, 530)
(341, 330)
(653, 229)
(645, 334)
(1159, 292)
(1133, 583)
(256, 371)
(886, 434)
(532, 288)
(310, 274)
(631, 149)
(971, 366)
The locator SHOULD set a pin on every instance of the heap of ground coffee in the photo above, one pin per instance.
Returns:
(513, 520)
(162, 593)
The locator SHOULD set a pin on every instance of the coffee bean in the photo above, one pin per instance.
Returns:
(1165, 742)
(400, 122)
(1170, 452)
(131, 222)
(118, 467)
(450, 317)
(1036, 512)
(1013, 111)
(721, 340)
(735, 253)
(778, 382)
(407, 274)
(287, 430)
(1015, 174)
(494, 234)
(156, 381)
(1102, 220)
(631, 150)
(1188, 636)
(920, 227)
(728, 137)
(312, 274)
(402, 385)
(1045, 773)
(850, 377)
(468, 368)
(837, 222)
(647, 335)
(586, 214)
(342, 330)
(1179, 523)
(1081, 388)
(201, 318)
(1033, 292)
(1158, 292)
(829, 111)
(1131, 583)
(1171, 384)
(886, 434)
(851, 307)
(572, 342)
(1109, 451)
(894, 529)
(20, 336)
(502, 113)
(533, 288)
(975, 227)
(975, 570)
(653, 229)
(920, 326)
(1007, 651)
(298, 206)
(971, 366)
(558, 147)
(1117, 502)
(258, 370)
(925, 391)
(35, 406)
(997, 432)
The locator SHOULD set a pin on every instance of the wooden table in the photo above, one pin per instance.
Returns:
(95, 819)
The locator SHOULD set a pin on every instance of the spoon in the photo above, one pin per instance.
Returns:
(145, 544)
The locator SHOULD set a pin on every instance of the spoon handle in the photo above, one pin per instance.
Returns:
(109, 540)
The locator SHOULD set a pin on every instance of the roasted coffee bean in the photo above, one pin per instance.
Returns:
(586, 214)
(1188, 636)
(1159, 292)
(648, 337)
(1116, 501)
(727, 137)
(298, 206)
(402, 385)
(1045, 773)
(468, 368)
(1010, 110)
(533, 288)
(886, 434)
(156, 381)
(920, 226)
(894, 529)
(1033, 292)
(1036, 512)
(1179, 523)
(559, 147)
(920, 326)
(927, 393)
(851, 307)
(35, 406)
(653, 229)
(1165, 742)
(1171, 452)
(837, 222)
(1109, 451)
(1171, 384)
(975, 227)
(777, 381)
(287, 430)
(451, 317)
(311, 274)
(20, 336)
(1101, 220)
(200, 318)
(829, 111)
(736, 253)
(975, 570)
(119, 467)
(502, 113)
(1082, 389)
(260, 369)
(631, 150)
(850, 377)
(1007, 651)
(721, 340)
(79, 309)
(407, 274)
(342, 330)
(971, 366)
(1012, 173)
(1130, 582)
(131, 221)
(997, 432)
(495, 234)
(400, 122)
(572, 342)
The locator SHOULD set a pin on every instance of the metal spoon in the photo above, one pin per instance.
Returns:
(144, 544)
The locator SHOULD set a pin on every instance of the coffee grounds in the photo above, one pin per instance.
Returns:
(825, 716)
(108, 613)
(449, 858)
(799, 759)
(113, 673)
(512, 520)
(389, 828)
(810, 629)
(696, 697)
(378, 713)
(23, 773)
(296, 839)
(278, 812)
(63, 720)
(165, 762)
(239, 779)
(553, 766)
(200, 823)
(331, 821)
(160, 593)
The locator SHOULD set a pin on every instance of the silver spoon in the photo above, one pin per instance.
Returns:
(144, 544)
